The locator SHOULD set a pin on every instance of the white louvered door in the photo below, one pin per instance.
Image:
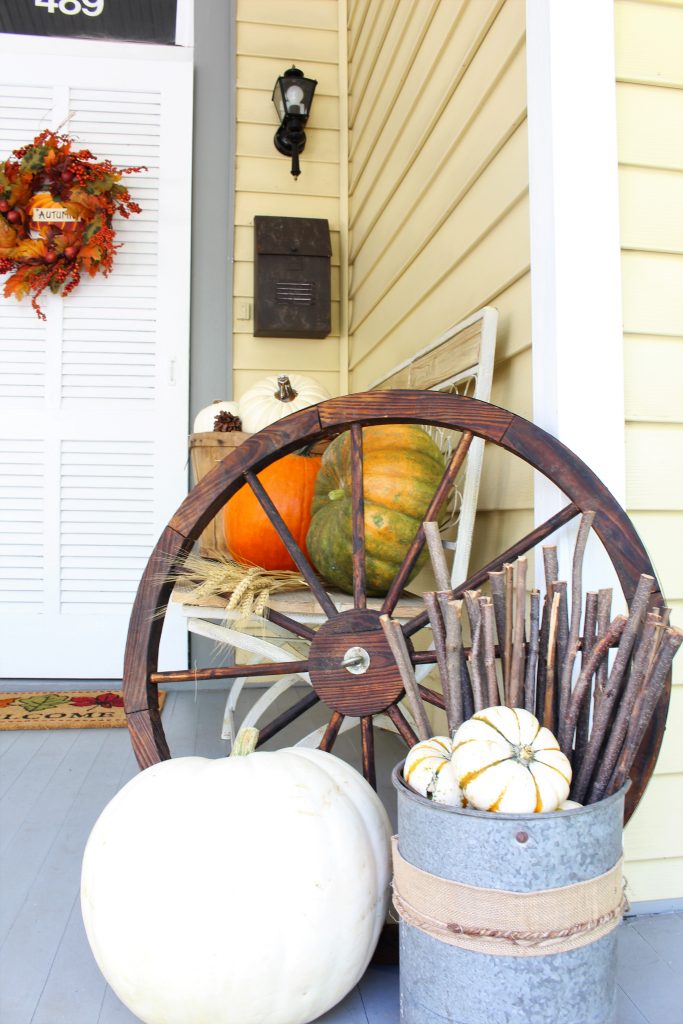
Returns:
(94, 402)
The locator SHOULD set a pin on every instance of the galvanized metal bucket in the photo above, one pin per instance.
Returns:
(520, 853)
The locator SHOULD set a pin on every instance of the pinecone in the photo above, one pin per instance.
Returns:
(225, 422)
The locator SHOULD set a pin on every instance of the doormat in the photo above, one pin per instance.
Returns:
(66, 709)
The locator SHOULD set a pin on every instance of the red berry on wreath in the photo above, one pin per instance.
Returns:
(51, 256)
(70, 251)
(14, 216)
(4, 206)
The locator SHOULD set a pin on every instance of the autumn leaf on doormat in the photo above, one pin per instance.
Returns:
(42, 701)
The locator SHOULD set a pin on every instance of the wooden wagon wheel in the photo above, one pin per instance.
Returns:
(377, 688)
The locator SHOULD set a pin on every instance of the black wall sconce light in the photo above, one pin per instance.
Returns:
(292, 96)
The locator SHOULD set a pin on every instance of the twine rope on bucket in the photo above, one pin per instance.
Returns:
(508, 923)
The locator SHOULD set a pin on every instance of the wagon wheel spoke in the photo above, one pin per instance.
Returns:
(284, 719)
(298, 628)
(417, 544)
(268, 668)
(367, 736)
(358, 516)
(402, 724)
(331, 732)
(432, 697)
(523, 545)
(285, 535)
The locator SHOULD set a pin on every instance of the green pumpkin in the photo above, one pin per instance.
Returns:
(401, 470)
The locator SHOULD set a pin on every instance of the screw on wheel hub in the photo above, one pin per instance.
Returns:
(356, 660)
(354, 679)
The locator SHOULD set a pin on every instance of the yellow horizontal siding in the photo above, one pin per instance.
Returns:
(302, 355)
(654, 467)
(650, 126)
(649, 43)
(254, 71)
(646, 837)
(661, 532)
(321, 146)
(670, 760)
(295, 13)
(652, 286)
(651, 204)
(659, 880)
(286, 42)
(653, 369)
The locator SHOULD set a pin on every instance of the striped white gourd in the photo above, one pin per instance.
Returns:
(504, 760)
(429, 772)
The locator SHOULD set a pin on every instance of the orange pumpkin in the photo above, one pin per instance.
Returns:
(249, 533)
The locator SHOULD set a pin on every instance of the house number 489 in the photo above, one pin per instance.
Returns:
(90, 7)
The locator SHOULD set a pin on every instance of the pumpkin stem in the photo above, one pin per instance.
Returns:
(245, 742)
(285, 392)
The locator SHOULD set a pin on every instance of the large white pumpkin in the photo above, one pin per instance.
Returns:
(243, 890)
(274, 397)
(504, 760)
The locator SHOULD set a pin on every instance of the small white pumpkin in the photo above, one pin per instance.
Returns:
(568, 805)
(428, 770)
(504, 760)
(203, 421)
(238, 890)
(274, 397)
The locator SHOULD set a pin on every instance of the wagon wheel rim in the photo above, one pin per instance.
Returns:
(471, 417)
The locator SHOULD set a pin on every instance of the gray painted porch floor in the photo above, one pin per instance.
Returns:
(53, 785)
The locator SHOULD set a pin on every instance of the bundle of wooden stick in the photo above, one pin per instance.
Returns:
(599, 708)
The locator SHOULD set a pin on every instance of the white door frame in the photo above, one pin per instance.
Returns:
(577, 337)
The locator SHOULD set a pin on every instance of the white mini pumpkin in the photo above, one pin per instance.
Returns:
(204, 420)
(238, 890)
(504, 760)
(428, 770)
(274, 397)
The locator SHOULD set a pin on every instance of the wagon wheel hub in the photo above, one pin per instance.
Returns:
(351, 665)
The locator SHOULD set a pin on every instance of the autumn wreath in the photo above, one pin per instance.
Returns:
(56, 210)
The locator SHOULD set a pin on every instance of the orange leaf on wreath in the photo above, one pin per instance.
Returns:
(30, 249)
(8, 237)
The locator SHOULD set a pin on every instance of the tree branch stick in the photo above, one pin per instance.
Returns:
(642, 665)
(436, 555)
(645, 707)
(497, 581)
(507, 642)
(603, 714)
(598, 652)
(452, 612)
(518, 652)
(439, 638)
(575, 623)
(549, 709)
(604, 618)
(488, 626)
(397, 643)
(589, 639)
(532, 658)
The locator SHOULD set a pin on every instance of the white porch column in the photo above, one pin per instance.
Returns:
(577, 338)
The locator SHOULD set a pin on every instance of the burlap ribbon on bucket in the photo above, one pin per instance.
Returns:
(504, 923)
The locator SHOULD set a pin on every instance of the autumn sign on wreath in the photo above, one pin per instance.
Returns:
(56, 209)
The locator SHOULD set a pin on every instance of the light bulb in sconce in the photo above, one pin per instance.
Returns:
(295, 95)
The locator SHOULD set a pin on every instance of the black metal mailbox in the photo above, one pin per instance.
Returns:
(292, 277)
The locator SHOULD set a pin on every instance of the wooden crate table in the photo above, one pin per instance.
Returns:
(209, 618)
